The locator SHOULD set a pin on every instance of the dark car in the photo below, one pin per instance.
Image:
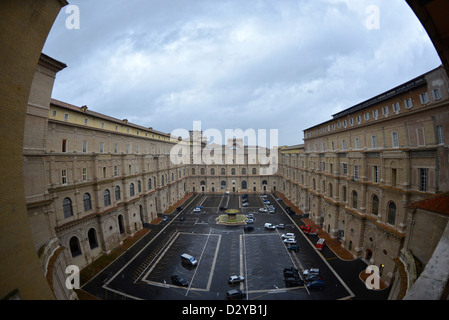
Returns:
(318, 284)
(291, 272)
(235, 294)
(248, 228)
(179, 208)
(292, 281)
(222, 208)
(179, 281)
(293, 247)
(312, 277)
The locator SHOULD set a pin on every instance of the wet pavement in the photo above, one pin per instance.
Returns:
(144, 271)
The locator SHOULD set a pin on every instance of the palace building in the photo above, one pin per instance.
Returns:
(358, 173)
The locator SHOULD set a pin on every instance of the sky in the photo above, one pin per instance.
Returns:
(279, 65)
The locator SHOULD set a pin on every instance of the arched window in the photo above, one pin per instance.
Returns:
(391, 213)
(223, 185)
(375, 205)
(74, 245)
(223, 171)
(243, 170)
(117, 193)
(254, 171)
(193, 171)
(107, 198)
(67, 207)
(87, 202)
(244, 186)
(354, 199)
(233, 171)
(163, 180)
(120, 224)
(172, 176)
(131, 189)
(202, 171)
(149, 184)
(92, 236)
(212, 172)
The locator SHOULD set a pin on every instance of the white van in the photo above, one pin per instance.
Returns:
(269, 226)
(188, 259)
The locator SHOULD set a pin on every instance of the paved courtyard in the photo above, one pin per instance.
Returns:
(144, 271)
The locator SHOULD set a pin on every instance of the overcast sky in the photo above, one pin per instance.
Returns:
(248, 64)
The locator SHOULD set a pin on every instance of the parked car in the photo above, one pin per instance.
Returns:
(290, 241)
(311, 232)
(305, 227)
(312, 277)
(249, 221)
(288, 235)
(235, 294)
(320, 244)
(271, 210)
(250, 216)
(179, 208)
(248, 228)
(291, 281)
(280, 226)
(291, 272)
(244, 196)
(179, 281)
(266, 201)
(269, 226)
(318, 284)
(245, 204)
(293, 247)
(306, 272)
(197, 209)
(235, 279)
(165, 218)
(262, 210)
(227, 192)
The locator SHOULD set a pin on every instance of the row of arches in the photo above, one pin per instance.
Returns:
(223, 171)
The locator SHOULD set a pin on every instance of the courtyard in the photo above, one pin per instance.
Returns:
(260, 255)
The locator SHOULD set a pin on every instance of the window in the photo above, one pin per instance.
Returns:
(64, 145)
(436, 94)
(101, 147)
(424, 98)
(332, 145)
(330, 190)
(357, 143)
(85, 121)
(243, 170)
(67, 207)
(149, 184)
(202, 171)
(345, 168)
(84, 146)
(139, 185)
(131, 188)
(117, 192)
(344, 193)
(385, 111)
(440, 134)
(375, 114)
(115, 148)
(92, 236)
(66, 116)
(84, 174)
(233, 171)
(391, 218)
(64, 176)
(102, 125)
(393, 177)
(356, 173)
(358, 119)
(115, 171)
(212, 172)
(396, 107)
(254, 171)
(87, 202)
(394, 136)
(408, 103)
(351, 121)
(423, 179)
(375, 205)
(374, 142)
(376, 174)
(107, 198)
(343, 144)
(354, 199)
(75, 248)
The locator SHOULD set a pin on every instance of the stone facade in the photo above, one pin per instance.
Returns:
(356, 173)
